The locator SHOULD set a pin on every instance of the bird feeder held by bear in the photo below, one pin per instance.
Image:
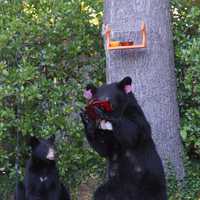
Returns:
(115, 45)
(104, 106)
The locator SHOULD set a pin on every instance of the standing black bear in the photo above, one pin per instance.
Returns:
(121, 133)
(41, 180)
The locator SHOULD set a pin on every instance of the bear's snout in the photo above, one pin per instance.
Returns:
(51, 154)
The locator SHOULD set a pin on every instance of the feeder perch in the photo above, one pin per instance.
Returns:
(115, 45)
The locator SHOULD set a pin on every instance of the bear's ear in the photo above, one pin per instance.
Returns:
(89, 91)
(52, 139)
(125, 84)
(33, 141)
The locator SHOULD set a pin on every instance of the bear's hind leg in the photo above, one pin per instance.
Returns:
(20, 192)
(110, 191)
(64, 193)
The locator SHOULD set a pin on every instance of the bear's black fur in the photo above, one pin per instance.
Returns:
(135, 170)
(41, 180)
(20, 192)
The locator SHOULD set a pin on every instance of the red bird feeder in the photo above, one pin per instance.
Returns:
(95, 104)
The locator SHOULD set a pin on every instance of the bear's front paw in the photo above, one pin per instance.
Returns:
(84, 117)
(87, 121)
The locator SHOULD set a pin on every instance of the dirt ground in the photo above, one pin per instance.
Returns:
(87, 189)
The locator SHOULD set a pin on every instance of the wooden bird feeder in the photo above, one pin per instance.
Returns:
(116, 45)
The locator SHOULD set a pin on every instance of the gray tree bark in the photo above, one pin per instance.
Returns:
(152, 69)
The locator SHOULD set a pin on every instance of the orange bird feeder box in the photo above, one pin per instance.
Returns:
(115, 45)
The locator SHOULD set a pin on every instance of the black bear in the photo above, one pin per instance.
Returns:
(41, 181)
(116, 127)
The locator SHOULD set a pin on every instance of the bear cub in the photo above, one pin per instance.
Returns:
(41, 181)
(117, 129)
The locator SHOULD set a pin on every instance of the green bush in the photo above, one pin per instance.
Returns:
(49, 50)
(188, 189)
(186, 28)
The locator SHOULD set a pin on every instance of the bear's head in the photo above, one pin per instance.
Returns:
(43, 149)
(115, 93)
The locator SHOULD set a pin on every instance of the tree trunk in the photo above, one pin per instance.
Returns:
(152, 69)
